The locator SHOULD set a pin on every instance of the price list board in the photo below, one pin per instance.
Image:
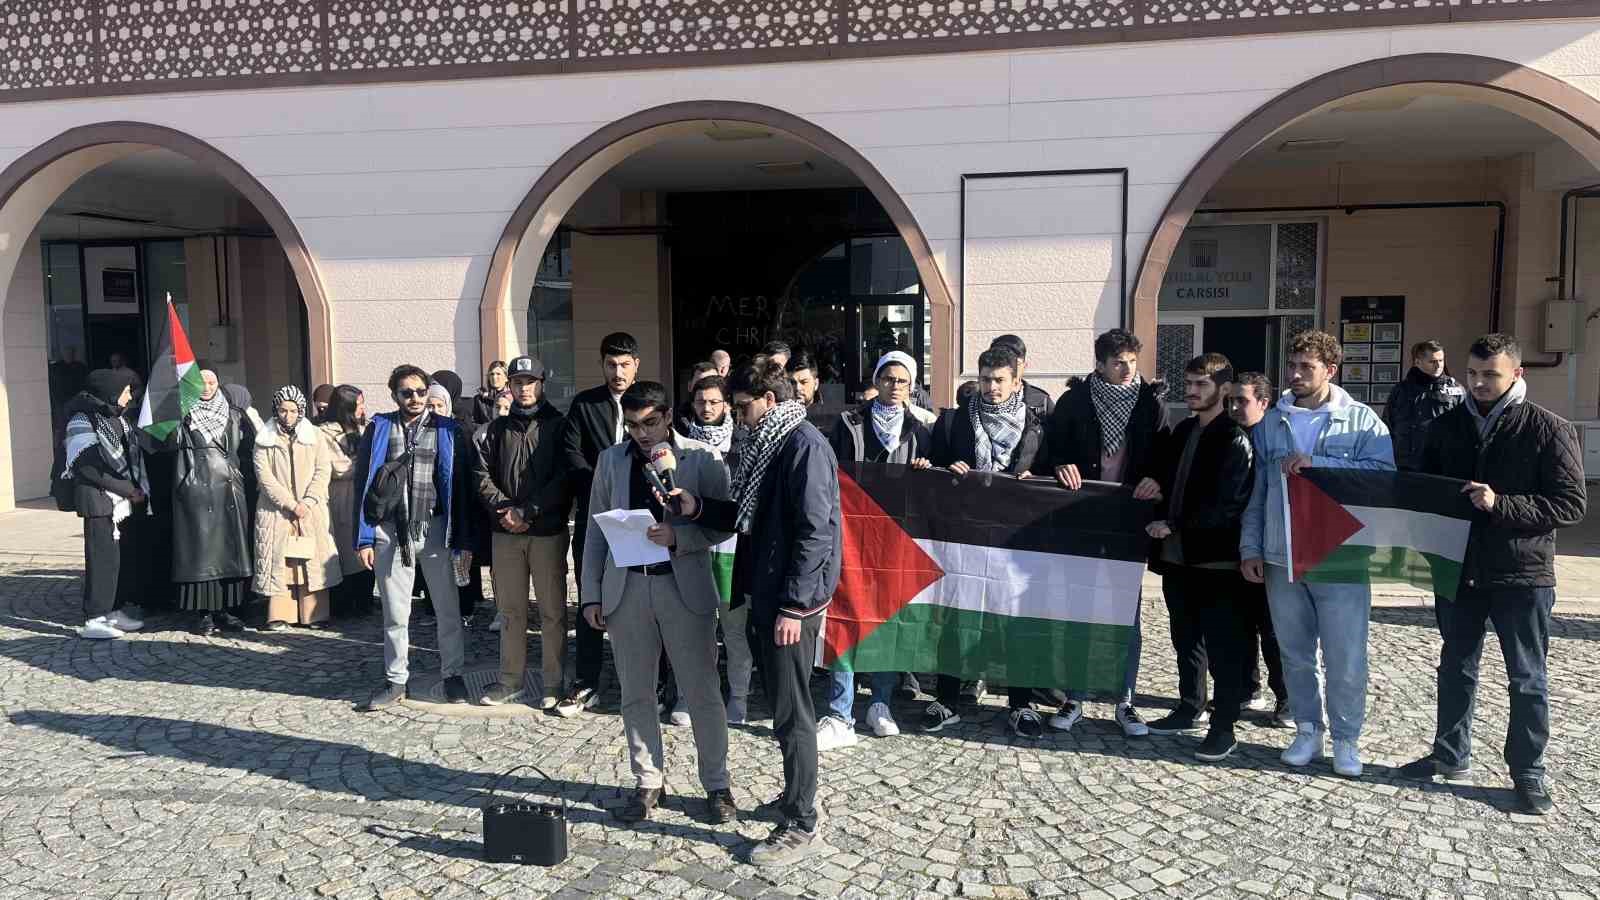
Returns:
(1372, 332)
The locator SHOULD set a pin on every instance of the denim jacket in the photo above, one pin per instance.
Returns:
(1352, 437)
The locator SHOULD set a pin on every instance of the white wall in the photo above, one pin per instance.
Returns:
(25, 402)
(402, 190)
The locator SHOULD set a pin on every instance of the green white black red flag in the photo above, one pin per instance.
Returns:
(175, 382)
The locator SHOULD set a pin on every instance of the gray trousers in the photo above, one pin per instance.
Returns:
(395, 581)
(651, 617)
(740, 660)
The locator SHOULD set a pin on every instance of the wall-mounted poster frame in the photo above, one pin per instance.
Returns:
(1372, 331)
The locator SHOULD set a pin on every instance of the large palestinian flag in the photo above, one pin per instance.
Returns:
(1022, 583)
(175, 382)
(1357, 526)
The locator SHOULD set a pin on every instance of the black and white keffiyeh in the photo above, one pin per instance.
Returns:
(769, 436)
(119, 448)
(211, 417)
(996, 430)
(887, 423)
(718, 436)
(1113, 405)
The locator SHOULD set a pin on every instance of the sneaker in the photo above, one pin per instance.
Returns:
(100, 628)
(1067, 716)
(1128, 718)
(1280, 717)
(1533, 795)
(580, 698)
(738, 711)
(787, 844)
(499, 694)
(123, 620)
(720, 808)
(1218, 743)
(1429, 767)
(1307, 745)
(498, 623)
(386, 696)
(937, 716)
(1025, 723)
(772, 811)
(1256, 703)
(455, 689)
(881, 720)
(277, 626)
(1173, 723)
(974, 691)
(680, 714)
(909, 687)
(833, 733)
(548, 702)
(1346, 759)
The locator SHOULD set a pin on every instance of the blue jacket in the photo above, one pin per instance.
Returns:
(450, 478)
(1352, 437)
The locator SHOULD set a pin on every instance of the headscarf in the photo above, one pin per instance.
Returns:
(1113, 404)
(437, 391)
(293, 395)
(323, 394)
(210, 417)
(238, 396)
(888, 421)
(97, 419)
(451, 383)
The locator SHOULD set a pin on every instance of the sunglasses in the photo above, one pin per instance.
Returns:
(409, 393)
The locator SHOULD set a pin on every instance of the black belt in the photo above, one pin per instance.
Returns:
(653, 569)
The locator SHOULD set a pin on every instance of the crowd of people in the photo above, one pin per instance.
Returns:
(320, 508)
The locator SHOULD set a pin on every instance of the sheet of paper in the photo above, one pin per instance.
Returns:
(625, 534)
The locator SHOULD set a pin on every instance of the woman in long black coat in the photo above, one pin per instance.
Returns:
(211, 564)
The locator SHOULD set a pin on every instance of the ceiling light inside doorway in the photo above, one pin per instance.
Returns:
(1311, 144)
(736, 131)
(785, 168)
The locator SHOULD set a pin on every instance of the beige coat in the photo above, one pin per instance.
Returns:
(342, 498)
(312, 468)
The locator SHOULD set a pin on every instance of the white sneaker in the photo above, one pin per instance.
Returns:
(1067, 716)
(498, 623)
(680, 714)
(1347, 759)
(834, 733)
(881, 720)
(1307, 745)
(1132, 725)
(100, 628)
(125, 620)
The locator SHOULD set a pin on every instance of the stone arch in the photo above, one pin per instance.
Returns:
(560, 186)
(1565, 111)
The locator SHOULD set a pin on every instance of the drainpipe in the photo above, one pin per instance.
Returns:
(1563, 284)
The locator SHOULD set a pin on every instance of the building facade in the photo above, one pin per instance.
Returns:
(326, 188)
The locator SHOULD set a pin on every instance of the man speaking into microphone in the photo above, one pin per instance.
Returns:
(670, 605)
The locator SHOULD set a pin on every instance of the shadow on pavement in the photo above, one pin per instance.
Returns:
(1562, 625)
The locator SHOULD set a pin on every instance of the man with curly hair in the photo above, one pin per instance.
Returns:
(1314, 424)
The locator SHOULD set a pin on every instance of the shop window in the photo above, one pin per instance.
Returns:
(550, 319)
(857, 301)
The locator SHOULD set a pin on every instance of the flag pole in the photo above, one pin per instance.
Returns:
(1288, 525)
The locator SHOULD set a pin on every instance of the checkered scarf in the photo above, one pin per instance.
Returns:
(769, 436)
(422, 442)
(996, 430)
(718, 436)
(211, 417)
(1113, 405)
(118, 446)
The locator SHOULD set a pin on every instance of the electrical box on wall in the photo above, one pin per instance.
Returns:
(1560, 326)
(219, 343)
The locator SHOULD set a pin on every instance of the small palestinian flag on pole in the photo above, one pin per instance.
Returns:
(175, 382)
(1357, 526)
(722, 569)
(1017, 581)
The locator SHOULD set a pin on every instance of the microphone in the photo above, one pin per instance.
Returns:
(662, 466)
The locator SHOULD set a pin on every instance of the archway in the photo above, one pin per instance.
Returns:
(1326, 122)
(561, 186)
(30, 189)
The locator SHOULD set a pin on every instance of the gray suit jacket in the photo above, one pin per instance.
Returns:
(700, 472)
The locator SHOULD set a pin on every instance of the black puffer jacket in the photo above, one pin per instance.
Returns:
(1214, 496)
(1533, 461)
(1074, 431)
(522, 465)
(1413, 405)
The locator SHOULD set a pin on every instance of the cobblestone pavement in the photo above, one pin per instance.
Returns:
(173, 766)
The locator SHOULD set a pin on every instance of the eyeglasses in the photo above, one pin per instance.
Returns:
(409, 393)
(644, 424)
(710, 404)
(892, 381)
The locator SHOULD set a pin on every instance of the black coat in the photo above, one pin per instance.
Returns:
(954, 440)
(789, 562)
(1534, 462)
(92, 475)
(1074, 431)
(1214, 496)
(1412, 406)
(520, 464)
(590, 427)
(854, 440)
(211, 512)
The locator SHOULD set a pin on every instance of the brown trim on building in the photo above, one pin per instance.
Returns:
(318, 313)
(1543, 99)
(493, 308)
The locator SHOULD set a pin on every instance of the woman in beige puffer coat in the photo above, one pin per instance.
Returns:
(293, 466)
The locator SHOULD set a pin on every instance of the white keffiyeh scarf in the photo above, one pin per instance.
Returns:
(718, 436)
(996, 430)
(211, 417)
(887, 423)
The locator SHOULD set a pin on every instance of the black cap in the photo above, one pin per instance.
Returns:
(525, 365)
